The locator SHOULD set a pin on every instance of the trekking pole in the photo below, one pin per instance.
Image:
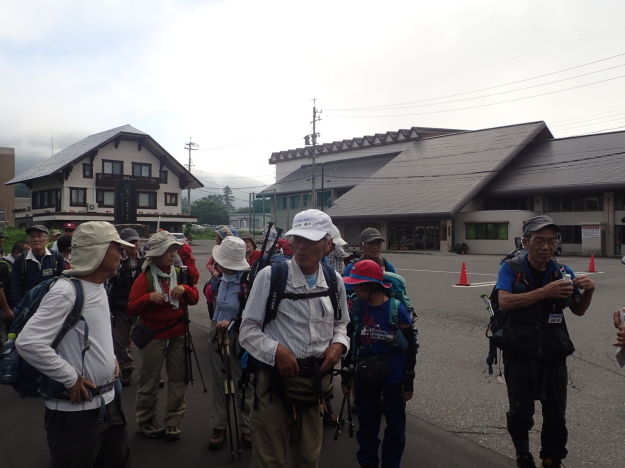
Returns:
(350, 421)
(197, 362)
(339, 420)
(492, 349)
(263, 249)
(230, 392)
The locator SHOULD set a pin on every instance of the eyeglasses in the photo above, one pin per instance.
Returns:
(40, 236)
(542, 241)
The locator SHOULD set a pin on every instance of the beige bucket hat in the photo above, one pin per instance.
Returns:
(90, 242)
(230, 254)
(160, 242)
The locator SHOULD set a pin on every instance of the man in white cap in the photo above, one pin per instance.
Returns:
(88, 428)
(306, 338)
(337, 253)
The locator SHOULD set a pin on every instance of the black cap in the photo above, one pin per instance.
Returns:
(537, 223)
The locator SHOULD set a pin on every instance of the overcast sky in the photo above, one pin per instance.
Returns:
(239, 76)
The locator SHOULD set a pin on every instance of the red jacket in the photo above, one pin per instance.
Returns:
(188, 260)
(158, 316)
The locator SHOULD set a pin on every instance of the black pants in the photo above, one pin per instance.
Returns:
(523, 378)
(77, 440)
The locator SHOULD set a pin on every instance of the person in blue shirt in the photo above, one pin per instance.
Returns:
(392, 344)
(533, 291)
(230, 260)
(371, 243)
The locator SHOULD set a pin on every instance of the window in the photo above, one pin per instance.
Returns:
(113, 167)
(171, 199)
(487, 231)
(141, 170)
(583, 202)
(78, 196)
(147, 200)
(294, 202)
(105, 197)
(3, 216)
(571, 234)
(87, 171)
(305, 200)
(281, 203)
(44, 199)
(163, 176)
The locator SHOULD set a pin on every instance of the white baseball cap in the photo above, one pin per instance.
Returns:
(336, 236)
(313, 225)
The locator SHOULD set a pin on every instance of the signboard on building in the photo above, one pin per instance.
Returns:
(126, 201)
(591, 231)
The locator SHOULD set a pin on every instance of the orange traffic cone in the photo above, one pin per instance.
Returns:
(591, 266)
(464, 281)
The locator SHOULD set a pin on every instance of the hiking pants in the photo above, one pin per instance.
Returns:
(273, 425)
(77, 440)
(156, 352)
(369, 418)
(521, 379)
(122, 324)
(219, 406)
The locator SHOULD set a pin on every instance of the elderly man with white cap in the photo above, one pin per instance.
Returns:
(159, 297)
(297, 349)
(88, 428)
(231, 262)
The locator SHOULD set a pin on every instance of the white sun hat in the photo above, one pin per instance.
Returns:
(230, 254)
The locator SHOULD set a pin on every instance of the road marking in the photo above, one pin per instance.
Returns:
(476, 285)
(450, 272)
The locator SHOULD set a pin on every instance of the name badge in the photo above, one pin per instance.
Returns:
(48, 272)
(556, 318)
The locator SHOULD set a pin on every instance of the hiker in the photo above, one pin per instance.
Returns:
(337, 254)
(36, 265)
(210, 292)
(159, 299)
(371, 244)
(298, 349)
(231, 262)
(251, 254)
(534, 291)
(370, 343)
(119, 291)
(6, 268)
(88, 427)
(187, 259)
(64, 247)
(54, 237)
(620, 334)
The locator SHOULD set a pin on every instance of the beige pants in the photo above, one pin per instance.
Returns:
(272, 426)
(219, 407)
(172, 353)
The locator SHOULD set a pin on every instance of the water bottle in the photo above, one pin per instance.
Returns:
(564, 302)
(9, 361)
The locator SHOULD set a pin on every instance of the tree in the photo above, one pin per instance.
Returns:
(228, 198)
(258, 208)
(209, 211)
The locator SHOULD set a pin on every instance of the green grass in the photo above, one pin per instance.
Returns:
(12, 236)
(203, 234)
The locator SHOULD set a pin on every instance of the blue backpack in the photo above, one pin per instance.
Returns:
(28, 381)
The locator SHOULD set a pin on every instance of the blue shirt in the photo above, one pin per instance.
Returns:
(506, 279)
(228, 297)
(375, 318)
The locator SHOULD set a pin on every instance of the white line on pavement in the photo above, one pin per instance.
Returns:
(451, 272)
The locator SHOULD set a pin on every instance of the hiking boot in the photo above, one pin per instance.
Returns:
(247, 439)
(173, 433)
(551, 462)
(126, 377)
(525, 460)
(218, 439)
(151, 428)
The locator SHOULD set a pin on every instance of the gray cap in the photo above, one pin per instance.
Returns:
(537, 223)
(38, 227)
(129, 235)
(370, 234)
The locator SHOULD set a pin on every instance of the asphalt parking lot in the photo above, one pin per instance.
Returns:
(458, 412)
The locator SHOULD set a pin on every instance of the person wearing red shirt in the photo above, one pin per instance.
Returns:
(251, 254)
(160, 301)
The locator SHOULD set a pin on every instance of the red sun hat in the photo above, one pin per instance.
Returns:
(366, 271)
(69, 226)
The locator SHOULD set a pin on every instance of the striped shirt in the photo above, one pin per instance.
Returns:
(306, 327)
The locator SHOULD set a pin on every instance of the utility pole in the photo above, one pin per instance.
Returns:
(191, 147)
(314, 136)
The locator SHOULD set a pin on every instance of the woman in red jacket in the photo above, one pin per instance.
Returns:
(158, 298)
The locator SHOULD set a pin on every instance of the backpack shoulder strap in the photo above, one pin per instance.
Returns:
(279, 275)
(393, 312)
(385, 263)
(517, 265)
(149, 276)
(332, 282)
(75, 314)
